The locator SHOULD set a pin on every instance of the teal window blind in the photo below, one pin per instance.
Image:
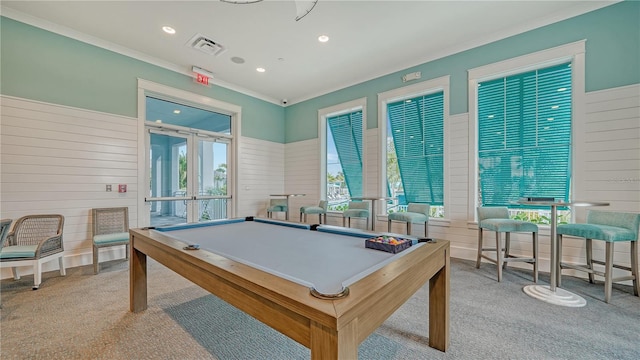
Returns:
(524, 136)
(346, 131)
(416, 125)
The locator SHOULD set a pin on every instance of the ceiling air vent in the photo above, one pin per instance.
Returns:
(206, 45)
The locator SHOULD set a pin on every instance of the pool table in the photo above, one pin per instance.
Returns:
(317, 284)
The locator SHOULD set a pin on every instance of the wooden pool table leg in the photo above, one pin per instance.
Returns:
(327, 344)
(439, 308)
(137, 279)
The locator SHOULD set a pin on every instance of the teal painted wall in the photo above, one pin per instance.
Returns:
(612, 59)
(40, 65)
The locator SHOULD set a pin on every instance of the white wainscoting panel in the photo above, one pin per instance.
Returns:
(612, 163)
(260, 173)
(302, 175)
(458, 167)
(58, 159)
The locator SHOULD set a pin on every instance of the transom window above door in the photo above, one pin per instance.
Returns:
(167, 112)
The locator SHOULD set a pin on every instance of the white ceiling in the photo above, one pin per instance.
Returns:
(368, 38)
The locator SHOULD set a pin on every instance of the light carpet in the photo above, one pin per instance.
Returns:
(85, 316)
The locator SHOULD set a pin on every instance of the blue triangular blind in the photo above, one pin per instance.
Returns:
(418, 136)
(524, 136)
(346, 130)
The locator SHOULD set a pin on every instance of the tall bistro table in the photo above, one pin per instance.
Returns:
(286, 196)
(373, 200)
(553, 294)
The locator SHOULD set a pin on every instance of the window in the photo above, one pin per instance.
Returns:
(341, 137)
(414, 152)
(524, 136)
(523, 141)
(344, 166)
(415, 138)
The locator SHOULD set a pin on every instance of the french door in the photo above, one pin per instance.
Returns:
(188, 174)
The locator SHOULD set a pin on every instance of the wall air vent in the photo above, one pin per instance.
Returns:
(206, 45)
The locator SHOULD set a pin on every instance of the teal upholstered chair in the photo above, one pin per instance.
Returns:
(110, 227)
(610, 227)
(497, 219)
(34, 240)
(416, 213)
(356, 209)
(320, 210)
(277, 205)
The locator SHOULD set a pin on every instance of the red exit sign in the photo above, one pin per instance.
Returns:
(202, 79)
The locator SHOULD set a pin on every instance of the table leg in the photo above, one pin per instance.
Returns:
(554, 249)
(553, 294)
(137, 279)
(439, 308)
(373, 215)
(329, 344)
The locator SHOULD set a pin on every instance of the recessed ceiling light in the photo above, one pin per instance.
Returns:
(176, 111)
(323, 38)
(261, 69)
(169, 30)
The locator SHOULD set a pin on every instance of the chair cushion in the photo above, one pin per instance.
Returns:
(111, 238)
(359, 213)
(18, 251)
(277, 208)
(312, 210)
(508, 225)
(408, 217)
(599, 232)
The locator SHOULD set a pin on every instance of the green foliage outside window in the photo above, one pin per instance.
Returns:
(540, 217)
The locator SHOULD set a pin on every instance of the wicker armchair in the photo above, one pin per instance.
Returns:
(110, 227)
(5, 224)
(34, 240)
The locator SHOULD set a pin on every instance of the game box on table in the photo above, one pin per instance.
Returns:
(391, 244)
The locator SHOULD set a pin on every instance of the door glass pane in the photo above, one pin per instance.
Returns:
(168, 177)
(212, 179)
(212, 209)
(177, 212)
